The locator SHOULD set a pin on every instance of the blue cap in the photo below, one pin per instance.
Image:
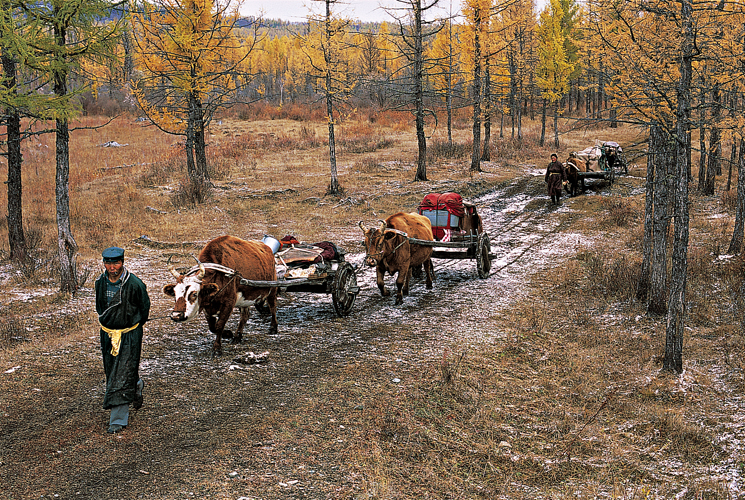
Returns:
(113, 254)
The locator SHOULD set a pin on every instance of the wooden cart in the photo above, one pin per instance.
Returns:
(335, 277)
(457, 229)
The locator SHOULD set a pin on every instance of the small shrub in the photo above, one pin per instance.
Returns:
(611, 276)
(219, 168)
(12, 330)
(161, 172)
(619, 212)
(442, 149)
(366, 165)
(190, 193)
(364, 144)
(448, 369)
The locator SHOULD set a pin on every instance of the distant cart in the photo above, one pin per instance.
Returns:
(457, 231)
(604, 160)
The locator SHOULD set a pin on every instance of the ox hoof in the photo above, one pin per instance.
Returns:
(429, 286)
(226, 334)
(385, 293)
(236, 340)
(272, 330)
(399, 301)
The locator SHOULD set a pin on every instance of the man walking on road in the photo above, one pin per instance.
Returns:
(123, 307)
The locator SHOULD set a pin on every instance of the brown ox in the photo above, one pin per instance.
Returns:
(217, 292)
(388, 248)
(573, 167)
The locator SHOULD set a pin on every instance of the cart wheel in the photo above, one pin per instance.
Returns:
(345, 289)
(483, 263)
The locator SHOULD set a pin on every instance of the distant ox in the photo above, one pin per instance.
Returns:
(217, 292)
(573, 167)
(388, 248)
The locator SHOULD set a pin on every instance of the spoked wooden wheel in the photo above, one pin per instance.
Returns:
(483, 262)
(345, 289)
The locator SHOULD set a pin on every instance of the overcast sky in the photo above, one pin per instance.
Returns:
(364, 10)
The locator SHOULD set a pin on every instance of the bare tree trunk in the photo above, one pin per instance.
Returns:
(66, 242)
(449, 80)
(732, 159)
(673, 360)
(664, 159)
(702, 146)
(556, 125)
(543, 123)
(421, 168)
(16, 235)
(200, 148)
(645, 279)
(334, 185)
(476, 93)
(715, 144)
(735, 245)
(485, 152)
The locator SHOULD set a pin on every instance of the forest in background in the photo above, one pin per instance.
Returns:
(671, 67)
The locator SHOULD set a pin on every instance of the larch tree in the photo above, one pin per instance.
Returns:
(445, 70)
(656, 48)
(189, 61)
(12, 47)
(62, 34)
(554, 69)
(477, 14)
(414, 30)
(324, 47)
(518, 32)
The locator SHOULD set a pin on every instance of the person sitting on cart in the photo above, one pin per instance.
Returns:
(555, 178)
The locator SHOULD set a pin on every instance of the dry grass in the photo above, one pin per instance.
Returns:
(563, 398)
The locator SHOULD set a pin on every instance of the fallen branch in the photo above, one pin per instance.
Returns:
(145, 240)
(589, 421)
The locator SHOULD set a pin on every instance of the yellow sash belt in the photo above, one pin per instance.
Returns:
(116, 337)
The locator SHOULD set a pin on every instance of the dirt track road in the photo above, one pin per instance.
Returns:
(214, 428)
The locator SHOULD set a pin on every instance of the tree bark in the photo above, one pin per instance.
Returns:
(65, 241)
(485, 152)
(16, 235)
(735, 245)
(476, 92)
(663, 158)
(421, 167)
(642, 288)
(200, 147)
(556, 125)
(543, 124)
(715, 144)
(334, 185)
(673, 360)
(732, 159)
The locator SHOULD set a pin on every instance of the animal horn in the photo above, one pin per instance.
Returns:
(382, 226)
(201, 269)
(362, 226)
(172, 268)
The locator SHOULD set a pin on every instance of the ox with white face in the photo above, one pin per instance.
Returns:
(217, 291)
(186, 293)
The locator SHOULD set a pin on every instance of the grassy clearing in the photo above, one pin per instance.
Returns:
(563, 401)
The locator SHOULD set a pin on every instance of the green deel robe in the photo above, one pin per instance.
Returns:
(130, 307)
